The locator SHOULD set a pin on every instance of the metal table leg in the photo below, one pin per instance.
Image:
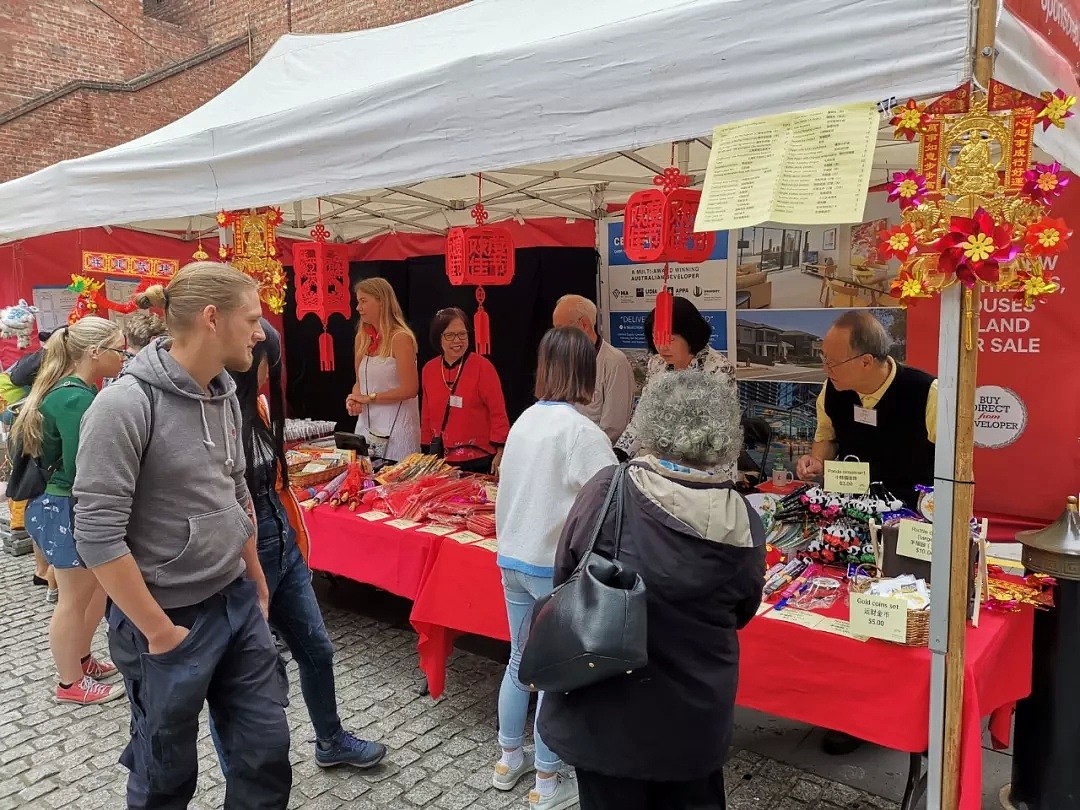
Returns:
(915, 790)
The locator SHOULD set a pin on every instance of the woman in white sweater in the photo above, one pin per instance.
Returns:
(551, 453)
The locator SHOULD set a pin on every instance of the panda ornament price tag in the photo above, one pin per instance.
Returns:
(847, 477)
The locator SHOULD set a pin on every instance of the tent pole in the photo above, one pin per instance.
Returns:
(958, 354)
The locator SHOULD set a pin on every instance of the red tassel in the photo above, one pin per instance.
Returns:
(481, 324)
(326, 351)
(662, 315)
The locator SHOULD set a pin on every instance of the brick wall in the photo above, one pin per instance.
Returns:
(47, 44)
(220, 20)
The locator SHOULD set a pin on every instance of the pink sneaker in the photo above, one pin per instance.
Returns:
(99, 670)
(88, 691)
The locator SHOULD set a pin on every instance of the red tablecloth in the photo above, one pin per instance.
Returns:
(873, 690)
(374, 553)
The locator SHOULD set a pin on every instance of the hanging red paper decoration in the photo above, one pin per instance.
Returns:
(659, 227)
(482, 255)
(322, 285)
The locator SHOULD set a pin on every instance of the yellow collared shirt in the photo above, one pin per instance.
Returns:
(827, 433)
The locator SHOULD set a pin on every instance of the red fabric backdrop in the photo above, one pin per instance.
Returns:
(1032, 353)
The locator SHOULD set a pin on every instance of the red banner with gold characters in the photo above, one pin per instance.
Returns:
(115, 264)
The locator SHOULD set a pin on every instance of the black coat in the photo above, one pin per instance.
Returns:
(700, 549)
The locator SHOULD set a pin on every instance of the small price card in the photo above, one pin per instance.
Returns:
(436, 529)
(764, 607)
(915, 539)
(847, 477)
(373, 516)
(490, 545)
(881, 617)
(803, 618)
(836, 627)
(402, 524)
(466, 537)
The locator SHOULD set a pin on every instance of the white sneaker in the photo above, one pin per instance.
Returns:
(565, 795)
(506, 778)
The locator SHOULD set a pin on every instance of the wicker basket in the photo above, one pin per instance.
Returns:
(315, 479)
(918, 621)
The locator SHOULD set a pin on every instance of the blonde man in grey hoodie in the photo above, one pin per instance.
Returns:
(163, 518)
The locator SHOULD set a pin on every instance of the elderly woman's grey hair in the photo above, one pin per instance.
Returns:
(690, 418)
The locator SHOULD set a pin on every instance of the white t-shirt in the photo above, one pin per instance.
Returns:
(551, 453)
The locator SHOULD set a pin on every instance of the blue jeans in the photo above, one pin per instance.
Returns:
(227, 660)
(295, 616)
(522, 591)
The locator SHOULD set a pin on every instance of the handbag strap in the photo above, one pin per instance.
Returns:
(614, 493)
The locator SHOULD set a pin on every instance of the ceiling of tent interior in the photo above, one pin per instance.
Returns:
(576, 189)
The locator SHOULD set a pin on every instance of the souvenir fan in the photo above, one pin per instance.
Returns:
(17, 321)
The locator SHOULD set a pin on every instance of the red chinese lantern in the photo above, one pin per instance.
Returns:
(322, 285)
(482, 255)
(659, 227)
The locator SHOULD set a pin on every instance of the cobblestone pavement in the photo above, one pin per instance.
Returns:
(441, 753)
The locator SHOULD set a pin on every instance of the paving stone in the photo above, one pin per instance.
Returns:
(56, 757)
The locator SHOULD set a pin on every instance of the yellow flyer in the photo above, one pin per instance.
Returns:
(804, 168)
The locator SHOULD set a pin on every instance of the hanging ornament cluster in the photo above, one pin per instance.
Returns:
(254, 251)
(659, 227)
(322, 285)
(976, 212)
(482, 255)
(90, 297)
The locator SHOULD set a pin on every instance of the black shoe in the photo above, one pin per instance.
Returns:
(39, 582)
(838, 744)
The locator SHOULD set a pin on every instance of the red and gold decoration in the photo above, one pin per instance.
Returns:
(90, 292)
(91, 299)
(976, 212)
(116, 264)
(322, 285)
(482, 255)
(254, 251)
(659, 227)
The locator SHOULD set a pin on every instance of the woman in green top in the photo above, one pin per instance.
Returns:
(76, 358)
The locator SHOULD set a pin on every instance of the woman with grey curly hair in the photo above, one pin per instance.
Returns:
(700, 549)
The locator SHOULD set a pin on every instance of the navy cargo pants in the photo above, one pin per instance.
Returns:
(227, 660)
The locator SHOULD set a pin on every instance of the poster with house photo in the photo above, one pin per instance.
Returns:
(786, 344)
(828, 266)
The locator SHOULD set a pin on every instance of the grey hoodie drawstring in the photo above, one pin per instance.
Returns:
(225, 420)
(225, 432)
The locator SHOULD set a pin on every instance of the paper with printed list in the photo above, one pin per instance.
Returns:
(803, 168)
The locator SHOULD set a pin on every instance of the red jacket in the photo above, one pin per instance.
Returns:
(479, 426)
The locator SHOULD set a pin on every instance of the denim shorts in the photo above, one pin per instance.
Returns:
(50, 522)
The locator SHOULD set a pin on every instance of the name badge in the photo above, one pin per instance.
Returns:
(455, 402)
(866, 416)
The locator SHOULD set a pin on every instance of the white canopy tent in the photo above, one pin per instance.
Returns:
(374, 122)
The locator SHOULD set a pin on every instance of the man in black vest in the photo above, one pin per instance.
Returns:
(873, 409)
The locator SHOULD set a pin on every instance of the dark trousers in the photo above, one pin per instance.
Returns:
(599, 792)
(227, 660)
(296, 617)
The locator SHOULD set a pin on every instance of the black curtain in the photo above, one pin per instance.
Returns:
(520, 313)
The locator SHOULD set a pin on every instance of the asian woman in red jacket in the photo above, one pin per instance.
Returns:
(463, 413)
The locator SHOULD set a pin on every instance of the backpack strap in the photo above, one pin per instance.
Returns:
(148, 392)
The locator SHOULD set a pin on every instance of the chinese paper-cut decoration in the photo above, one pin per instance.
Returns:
(254, 251)
(17, 321)
(91, 299)
(482, 255)
(659, 227)
(115, 264)
(322, 285)
(976, 212)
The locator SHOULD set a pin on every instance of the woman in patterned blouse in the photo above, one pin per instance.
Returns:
(689, 349)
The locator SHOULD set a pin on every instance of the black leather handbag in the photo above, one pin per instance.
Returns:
(592, 627)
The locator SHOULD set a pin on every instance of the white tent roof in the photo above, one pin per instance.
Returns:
(576, 93)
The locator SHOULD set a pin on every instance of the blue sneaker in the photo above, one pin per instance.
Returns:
(349, 750)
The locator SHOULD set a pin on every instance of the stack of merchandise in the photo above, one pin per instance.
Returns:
(447, 499)
(16, 541)
(412, 467)
(305, 430)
